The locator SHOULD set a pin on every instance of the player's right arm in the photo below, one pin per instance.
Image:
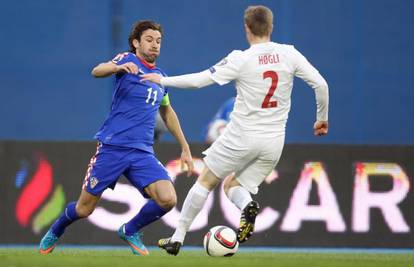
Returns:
(108, 68)
(121, 63)
(222, 73)
(186, 81)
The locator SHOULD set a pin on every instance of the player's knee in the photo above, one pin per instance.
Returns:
(229, 182)
(84, 210)
(226, 187)
(167, 202)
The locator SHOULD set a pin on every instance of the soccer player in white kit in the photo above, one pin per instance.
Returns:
(252, 142)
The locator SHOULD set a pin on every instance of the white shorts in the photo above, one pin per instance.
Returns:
(251, 158)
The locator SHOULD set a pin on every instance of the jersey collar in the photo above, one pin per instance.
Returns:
(145, 63)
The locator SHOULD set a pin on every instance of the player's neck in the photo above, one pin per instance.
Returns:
(258, 39)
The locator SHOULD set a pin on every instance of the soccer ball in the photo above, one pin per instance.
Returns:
(220, 241)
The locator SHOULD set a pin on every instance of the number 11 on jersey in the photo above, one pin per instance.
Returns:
(266, 102)
(154, 93)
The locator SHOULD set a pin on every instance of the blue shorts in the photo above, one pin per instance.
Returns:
(140, 167)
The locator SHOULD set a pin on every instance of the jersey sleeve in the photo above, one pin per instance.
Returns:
(305, 71)
(308, 73)
(193, 80)
(122, 58)
(228, 69)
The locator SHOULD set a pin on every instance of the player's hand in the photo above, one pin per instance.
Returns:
(187, 161)
(128, 67)
(152, 77)
(320, 128)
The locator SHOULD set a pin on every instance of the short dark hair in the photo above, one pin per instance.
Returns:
(259, 20)
(138, 28)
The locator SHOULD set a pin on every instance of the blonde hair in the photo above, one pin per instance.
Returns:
(259, 20)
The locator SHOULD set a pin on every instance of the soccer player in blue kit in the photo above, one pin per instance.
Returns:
(219, 122)
(125, 142)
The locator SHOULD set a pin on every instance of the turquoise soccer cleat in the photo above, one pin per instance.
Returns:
(48, 243)
(134, 241)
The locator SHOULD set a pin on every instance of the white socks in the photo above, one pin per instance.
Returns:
(239, 196)
(193, 203)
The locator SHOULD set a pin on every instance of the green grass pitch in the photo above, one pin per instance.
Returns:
(68, 257)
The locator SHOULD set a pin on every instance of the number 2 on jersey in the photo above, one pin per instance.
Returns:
(154, 92)
(266, 102)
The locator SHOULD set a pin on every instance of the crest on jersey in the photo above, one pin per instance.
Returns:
(93, 181)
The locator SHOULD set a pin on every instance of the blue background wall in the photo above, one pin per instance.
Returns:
(363, 48)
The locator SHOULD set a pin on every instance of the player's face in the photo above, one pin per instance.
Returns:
(149, 45)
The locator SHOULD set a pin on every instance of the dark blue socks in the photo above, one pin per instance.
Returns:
(68, 216)
(150, 212)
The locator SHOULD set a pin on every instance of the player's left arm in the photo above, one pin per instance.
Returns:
(173, 124)
(314, 79)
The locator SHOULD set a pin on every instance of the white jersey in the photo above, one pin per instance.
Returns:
(263, 76)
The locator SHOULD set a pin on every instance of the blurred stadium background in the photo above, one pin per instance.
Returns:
(349, 189)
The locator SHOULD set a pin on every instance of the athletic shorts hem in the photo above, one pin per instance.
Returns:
(211, 169)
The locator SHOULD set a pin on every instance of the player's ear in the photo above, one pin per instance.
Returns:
(246, 28)
(135, 43)
(248, 32)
